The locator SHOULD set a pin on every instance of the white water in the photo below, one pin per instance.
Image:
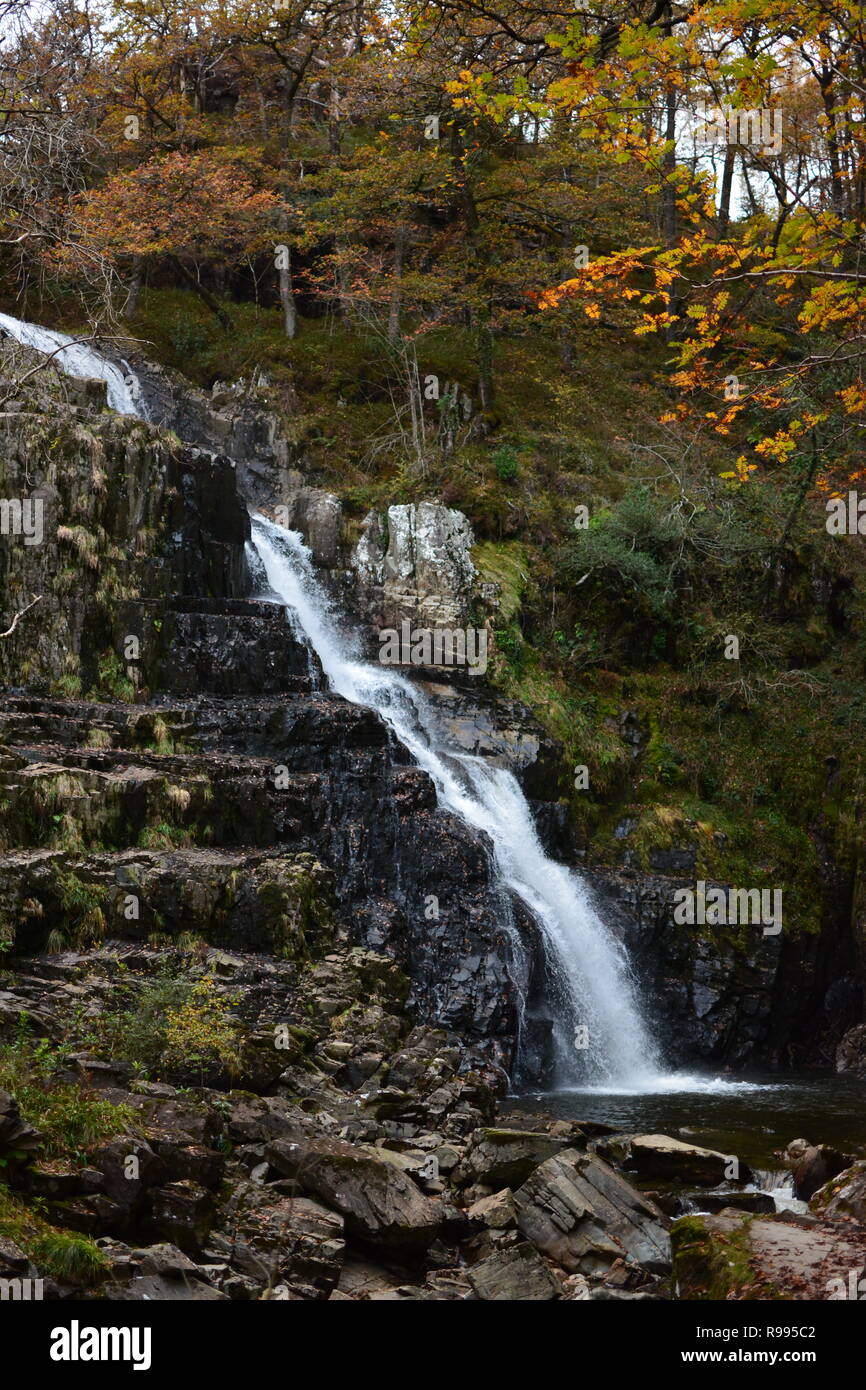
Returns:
(591, 973)
(589, 966)
(78, 360)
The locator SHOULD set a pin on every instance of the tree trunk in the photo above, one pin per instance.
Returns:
(480, 318)
(204, 295)
(397, 290)
(130, 308)
(828, 100)
(727, 187)
(287, 292)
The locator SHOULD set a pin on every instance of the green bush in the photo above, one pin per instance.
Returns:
(71, 1120)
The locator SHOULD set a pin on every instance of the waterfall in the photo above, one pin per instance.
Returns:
(600, 1037)
(78, 360)
(596, 992)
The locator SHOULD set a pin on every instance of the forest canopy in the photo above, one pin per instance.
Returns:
(693, 172)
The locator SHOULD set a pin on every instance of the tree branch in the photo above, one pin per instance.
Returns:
(20, 614)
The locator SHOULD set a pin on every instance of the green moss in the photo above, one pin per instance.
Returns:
(297, 909)
(63, 1255)
(709, 1266)
(505, 564)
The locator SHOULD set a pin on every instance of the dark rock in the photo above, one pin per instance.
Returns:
(279, 1239)
(19, 1141)
(182, 1212)
(851, 1052)
(817, 1166)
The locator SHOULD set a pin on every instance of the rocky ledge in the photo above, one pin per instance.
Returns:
(204, 1124)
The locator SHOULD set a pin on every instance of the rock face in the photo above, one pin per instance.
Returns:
(713, 997)
(851, 1052)
(415, 564)
(318, 515)
(583, 1214)
(123, 514)
(18, 1139)
(232, 419)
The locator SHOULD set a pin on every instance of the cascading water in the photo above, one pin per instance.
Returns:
(601, 1037)
(595, 998)
(78, 360)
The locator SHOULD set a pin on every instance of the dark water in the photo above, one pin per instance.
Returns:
(750, 1118)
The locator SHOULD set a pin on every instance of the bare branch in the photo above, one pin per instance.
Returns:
(20, 614)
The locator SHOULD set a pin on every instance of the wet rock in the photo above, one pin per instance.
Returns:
(682, 1203)
(714, 999)
(318, 516)
(583, 1214)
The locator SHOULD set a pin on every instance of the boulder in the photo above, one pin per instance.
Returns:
(280, 1239)
(844, 1196)
(18, 1140)
(817, 1166)
(584, 1215)
(515, 1274)
(182, 1213)
(497, 1212)
(318, 515)
(660, 1156)
(506, 1157)
(380, 1203)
